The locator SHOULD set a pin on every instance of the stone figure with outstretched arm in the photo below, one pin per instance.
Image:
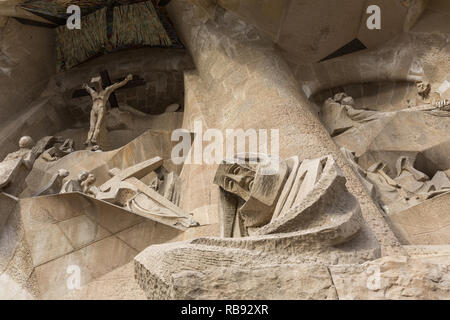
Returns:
(100, 97)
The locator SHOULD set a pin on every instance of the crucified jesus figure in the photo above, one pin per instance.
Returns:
(100, 97)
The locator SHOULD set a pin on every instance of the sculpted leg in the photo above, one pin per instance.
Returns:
(98, 125)
(92, 127)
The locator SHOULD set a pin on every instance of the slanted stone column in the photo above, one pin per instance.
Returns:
(245, 83)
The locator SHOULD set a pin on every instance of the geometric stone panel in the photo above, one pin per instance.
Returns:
(427, 223)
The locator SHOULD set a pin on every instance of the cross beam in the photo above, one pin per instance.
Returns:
(106, 81)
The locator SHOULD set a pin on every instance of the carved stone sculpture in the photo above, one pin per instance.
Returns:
(55, 184)
(265, 199)
(402, 189)
(425, 94)
(12, 162)
(58, 150)
(297, 215)
(339, 115)
(167, 184)
(426, 97)
(118, 190)
(256, 192)
(46, 143)
(125, 189)
(100, 98)
(74, 185)
(88, 186)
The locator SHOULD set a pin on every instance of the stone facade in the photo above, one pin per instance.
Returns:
(356, 210)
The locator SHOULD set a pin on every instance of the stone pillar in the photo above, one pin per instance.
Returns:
(247, 84)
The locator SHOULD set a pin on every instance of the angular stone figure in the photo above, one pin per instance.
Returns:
(307, 213)
(402, 189)
(167, 184)
(100, 98)
(425, 94)
(263, 198)
(88, 186)
(11, 164)
(126, 189)
(362, 174)
(46, 143)
(75, 185)
(256, 191)
(338, 114)
(55, 184)
(58, 150)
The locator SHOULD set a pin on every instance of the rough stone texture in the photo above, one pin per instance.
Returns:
(72, 229)
(118, 284)
(427, 223)
(311, 30)
(256, 282)
(260, 273)
(27, 56)
(16, 265)
(311, 232)
(393, 277)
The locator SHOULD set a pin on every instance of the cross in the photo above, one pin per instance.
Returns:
(106, 81)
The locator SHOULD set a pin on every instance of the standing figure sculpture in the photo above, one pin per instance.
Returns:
(100, 98)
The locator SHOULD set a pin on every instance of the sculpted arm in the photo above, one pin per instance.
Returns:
(88, 89)
(118, 85)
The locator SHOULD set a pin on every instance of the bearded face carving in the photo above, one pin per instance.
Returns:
(256, 182)
(423, 89)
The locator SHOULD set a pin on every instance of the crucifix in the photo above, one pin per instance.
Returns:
(100, 97)
(106, 82)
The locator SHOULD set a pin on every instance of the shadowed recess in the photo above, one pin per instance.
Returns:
(351, 47)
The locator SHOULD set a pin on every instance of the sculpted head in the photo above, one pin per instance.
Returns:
(423, 88)
(257, 180)
(236, 178)
(83, 176)
(63, 173)
(339, 96)
(97, 81)
(57, 147)
(26, 142)
(90, 179)
(348, 101)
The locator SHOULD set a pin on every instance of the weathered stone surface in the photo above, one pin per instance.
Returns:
(12, 163)
(8, 171)
(427, 223)
(55, 184)
(74, 229)
(309, 232)
(393, 277)
(118, 284)
(289, 281)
